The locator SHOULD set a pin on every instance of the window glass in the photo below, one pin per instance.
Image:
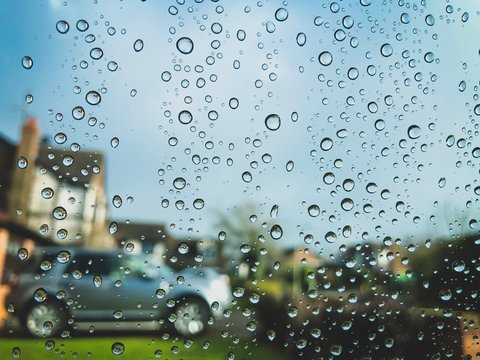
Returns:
(240, 179)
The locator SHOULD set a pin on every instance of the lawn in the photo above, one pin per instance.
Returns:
(134, 348)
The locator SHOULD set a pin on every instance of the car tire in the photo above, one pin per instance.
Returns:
(192, 316)
(47, 319)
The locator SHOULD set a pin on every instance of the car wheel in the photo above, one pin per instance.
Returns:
(45, 320)
(192, 317)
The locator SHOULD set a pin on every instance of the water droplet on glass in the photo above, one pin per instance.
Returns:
(40, 295)
(405, 18)
(78, 113)
(185, 45)
(179, 183)
(29, 98)
(270, 27)
(16, 352)
(27, 62)
(445, 294)
(326, 144)
(386, 50)
(430, 20)
(414, 132)
(96, 53)
(347, 204)
(276, 232)
(301, 39)
(313, 210)
(138, 45)
(62, 26)
(476, 152)
(272, 122)
(60, 138)
(290, 165)
(117, 201)
(82, 25)
(336, 350)
(59, 213)
(93, 98)
(247, 176)
(442, 182)
(113, 228)
(22, 254)
(325, 58)
(462, 86)
(198, 204)
(114, 142)
(49, 345)
(281, 14)
(118, 348)
(63, 256)
(112, 66)
(185, 117)
(22, 162)
(97, 281)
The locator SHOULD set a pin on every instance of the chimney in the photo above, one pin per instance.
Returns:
(24, 171)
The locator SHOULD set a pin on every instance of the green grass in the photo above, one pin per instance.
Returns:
(143, 348)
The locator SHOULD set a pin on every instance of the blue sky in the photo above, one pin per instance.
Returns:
(141, 109)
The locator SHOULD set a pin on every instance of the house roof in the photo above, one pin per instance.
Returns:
(22, 231)
(73, 167)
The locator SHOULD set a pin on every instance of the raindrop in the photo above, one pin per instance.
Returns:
(185, 117)
(22, 254)
(114, 142)
(129, 247)
(328, 178)
(22, 162)
(138, 45)
(198, 204)
(352, 73)
(281, 14)
(60, 138)
(247, 176)
(49, 345)
(27, 62)
(347, 204)
(63, 256)
(97, 281)
(113, 228)
(272, 122)
(93, 98)
(386, 50)
(462, 86)
(413, 132)
(445, 295)
(330, 237)
(166, 76)
(62, 26)
(430, 20)
(96, 53)
(289, 166)
(241, 35)
(326, 144)
(82, 25)
(270, 27)
(16, 352)
(476, 152)
(40, 295)
(314, 210)
(347, 22)
(274, 211)
(458, 265)
(179, 183)
(78, 113)
(185, 45)
(325, 58)
(276, 232)
(233, 103)
(118, 348)
(112, 66)
(301, 39)
(117, 201)
(59, 213)
(405, 18)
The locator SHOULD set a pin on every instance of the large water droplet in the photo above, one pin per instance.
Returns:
(96, 53)
(97, 281)
(301, 39)
(63, 256)
(22, 254)
(118, 348)
(326, 144)
(325, 58)
(117, 201)
(276, 232)
(27, 62)
(185, 117)
(22, 162)
(313, 210)
(430, 20)
(82, 25)
(62, 26)
(59, 213)
(247, 176)
(78, 113)
(40, 295)
(185, 45)
(386, 50)
(93, 98)
(179, 183)
(414, 132)
(272, 122)
(281, 14)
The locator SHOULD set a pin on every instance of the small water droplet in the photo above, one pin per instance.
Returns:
(301, 39)
(22, 162)
(313, 210)
(78, 113)
(96, 53)
(22, 254)
(430, 20)
(63, 256)
(185, 117)
(198, 204)
(138, 45)
(114, 142)
(179, 183)
(40, 295)
(326, 144)
(247, 176)
(414, 132)
(97, 281)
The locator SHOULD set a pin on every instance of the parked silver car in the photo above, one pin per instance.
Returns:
(59, 289)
